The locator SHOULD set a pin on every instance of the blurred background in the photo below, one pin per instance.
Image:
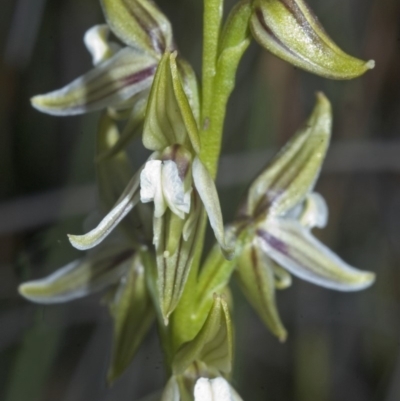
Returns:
(341, 346)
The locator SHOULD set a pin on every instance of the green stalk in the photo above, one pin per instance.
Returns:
(212, 18)
(221, 57)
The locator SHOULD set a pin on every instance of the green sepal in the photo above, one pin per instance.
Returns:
(82, 277)
(139, 24)
(255, 274)
(175, 242)
(292, 173)
(289, 30)
(132, 312)
(169, 117)
(213, 345)
(109, 84)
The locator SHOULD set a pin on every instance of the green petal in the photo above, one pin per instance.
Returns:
(291, 175)
(212, 345)
(139, 24)
(169, 118)
(288, 29)
(132, 313)
(255, 273)
(297, 250)
(82, 277)
(108, 84)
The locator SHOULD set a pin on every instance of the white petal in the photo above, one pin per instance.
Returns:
(124, 205)
(173, 189)
(297, 250)
(96, 41)
(315, 211)
(151, 187)
(212, 390)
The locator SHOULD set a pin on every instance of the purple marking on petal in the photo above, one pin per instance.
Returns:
(140, 76)
(276, 243)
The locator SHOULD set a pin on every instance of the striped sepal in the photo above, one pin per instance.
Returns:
(291, 175)
(289, 29)
(293, 247)
(82, 277)
(119, 78)
(213, 343)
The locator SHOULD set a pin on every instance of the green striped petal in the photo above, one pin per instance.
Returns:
(256, 276)
(289, 29)
(298, 251)
(132, 312)
(292, 174)
(212, 345)
(114, 81)
(139, 24)
(169, 117)
(82, 277)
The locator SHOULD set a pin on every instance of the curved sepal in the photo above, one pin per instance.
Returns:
(169, 117)
(292, 173)
(297, 250)
(80, 278)
(132, 312)
(113, 174)
(114, 81)
(256, 275)
(212, 345)
(139, 24)
(288, 29)
(127, 201)
(205, 186)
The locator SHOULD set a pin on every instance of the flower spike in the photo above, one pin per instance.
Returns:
(289, 29)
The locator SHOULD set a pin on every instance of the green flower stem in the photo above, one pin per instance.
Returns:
(221, 57)
(212, 19)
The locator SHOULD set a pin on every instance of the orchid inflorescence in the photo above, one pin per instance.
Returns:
(152, 272)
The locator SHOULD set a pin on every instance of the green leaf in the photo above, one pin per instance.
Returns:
(289, 29)
(132, 312)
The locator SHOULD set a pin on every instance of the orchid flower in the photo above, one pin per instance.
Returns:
(275, 220)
